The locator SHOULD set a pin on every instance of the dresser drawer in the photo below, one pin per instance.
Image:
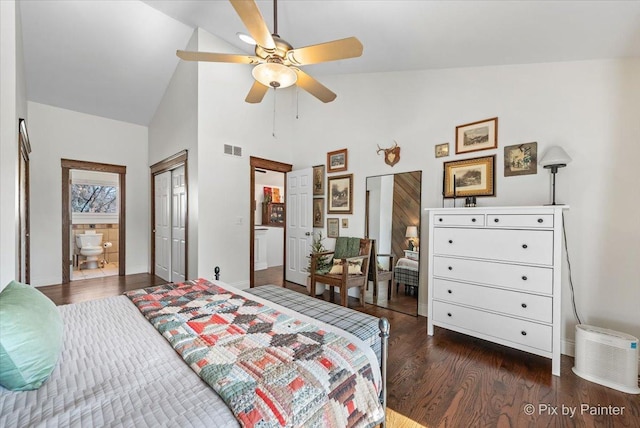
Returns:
(516, 331)
(524, 246)
(459, 220)
(531, 306)
(520, 220)
(519, 277)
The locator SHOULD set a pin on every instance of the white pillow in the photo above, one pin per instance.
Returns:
(355, 266)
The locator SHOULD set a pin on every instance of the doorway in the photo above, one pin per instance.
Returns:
(67, 166)
(170, 218)
(267, 220)
(94, 242)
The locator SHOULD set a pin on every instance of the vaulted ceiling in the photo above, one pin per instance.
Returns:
(114, 58)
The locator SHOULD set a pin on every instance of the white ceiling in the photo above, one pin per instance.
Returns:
(115, 58)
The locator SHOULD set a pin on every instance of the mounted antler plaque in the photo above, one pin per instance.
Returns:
(391, 155)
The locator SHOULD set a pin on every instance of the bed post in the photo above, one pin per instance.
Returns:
(384, 354)
(216, 272)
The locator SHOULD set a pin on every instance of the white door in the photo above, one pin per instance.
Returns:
(178, 224)
(162, 186)
(299, 224)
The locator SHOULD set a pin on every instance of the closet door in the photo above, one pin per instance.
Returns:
(178, 224)
(162, 227)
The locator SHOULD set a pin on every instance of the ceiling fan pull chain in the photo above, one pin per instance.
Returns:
(273, 133)
(297, 103)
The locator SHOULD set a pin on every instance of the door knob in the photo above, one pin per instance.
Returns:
(307, 233)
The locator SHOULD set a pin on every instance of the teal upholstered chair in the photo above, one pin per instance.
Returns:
(348, 269)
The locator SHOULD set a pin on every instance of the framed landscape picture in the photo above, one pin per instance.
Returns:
(521, 159)
(469, 177)
(340, 200)
(337, 161)
(442, 150)
(482, 135)
(318, 180)
(318, 212)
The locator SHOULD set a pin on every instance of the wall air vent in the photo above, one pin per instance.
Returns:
(232, 150)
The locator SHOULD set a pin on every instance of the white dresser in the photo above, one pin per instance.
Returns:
(495, 273)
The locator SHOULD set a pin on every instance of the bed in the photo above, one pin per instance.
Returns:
(116, 370)
(407, 272)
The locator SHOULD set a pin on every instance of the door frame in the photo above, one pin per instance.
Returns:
(24, 242)
(69, 164)
(172, 162)
(269, 165)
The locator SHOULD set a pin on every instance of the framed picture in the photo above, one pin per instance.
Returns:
(521, 159)
(337, 161)
(442, 150)
(318, 181)
(469, 177)
(345, 223)
(482, 135)
(333, 227)
(318, 212)
(340, 194)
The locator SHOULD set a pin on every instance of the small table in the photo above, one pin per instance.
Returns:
(412, 255)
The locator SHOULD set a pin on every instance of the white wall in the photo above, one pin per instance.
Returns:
(174, 128)
(12, 107)
(224, 181)
(57, 133)
(589, 108)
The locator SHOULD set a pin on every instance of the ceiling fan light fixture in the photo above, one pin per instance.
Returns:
(274, 75)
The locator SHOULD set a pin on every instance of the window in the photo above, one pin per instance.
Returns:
(91, 198)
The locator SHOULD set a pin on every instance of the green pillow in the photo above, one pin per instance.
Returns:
(30, 337)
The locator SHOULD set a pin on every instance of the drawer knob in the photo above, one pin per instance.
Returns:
(440, 219)
(525, 246)
(524, 306)
(540, 220)
(473, 220)
(449, 291)
(524, 277)
(496, 220)
(450, 267)
(448, 314)
(524, 333)
(450, 241)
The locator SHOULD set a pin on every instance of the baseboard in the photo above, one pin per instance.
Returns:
(43, 282)
(568, 347)
(242, 285)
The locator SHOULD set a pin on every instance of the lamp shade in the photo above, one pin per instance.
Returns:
(274, 75)
(555, 156)
(412, 232)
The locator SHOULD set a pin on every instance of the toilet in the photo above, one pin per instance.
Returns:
(90, 244)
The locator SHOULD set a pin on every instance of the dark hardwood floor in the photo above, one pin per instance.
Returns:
(452, 380)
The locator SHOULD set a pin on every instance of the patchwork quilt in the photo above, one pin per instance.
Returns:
(270, 368)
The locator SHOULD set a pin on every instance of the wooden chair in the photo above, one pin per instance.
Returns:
(377, 273)
(343, 280)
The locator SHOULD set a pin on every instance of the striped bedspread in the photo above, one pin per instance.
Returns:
(270, 368)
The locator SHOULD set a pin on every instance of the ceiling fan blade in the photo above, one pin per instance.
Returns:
(253, 20)
(218, 57)
(314, 87)
(256, 93)
(330, 51)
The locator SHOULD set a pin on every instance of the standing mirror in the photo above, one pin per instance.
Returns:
(393, 221)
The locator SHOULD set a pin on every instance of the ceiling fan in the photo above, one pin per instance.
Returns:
(276, 62)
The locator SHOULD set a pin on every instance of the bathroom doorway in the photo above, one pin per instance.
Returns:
(267, 237)
(93, 192)
(94, 239)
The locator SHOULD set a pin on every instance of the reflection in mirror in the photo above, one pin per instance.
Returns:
(393, 221)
